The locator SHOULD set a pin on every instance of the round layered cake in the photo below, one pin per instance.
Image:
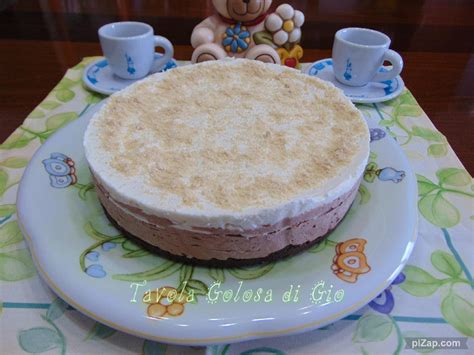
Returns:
(227, 163)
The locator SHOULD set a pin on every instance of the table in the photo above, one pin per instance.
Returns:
(39, 40)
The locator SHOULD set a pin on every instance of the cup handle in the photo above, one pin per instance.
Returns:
(397, 65)
(167, 55)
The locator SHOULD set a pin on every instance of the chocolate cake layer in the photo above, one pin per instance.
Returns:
(215, 246)
(286, 252)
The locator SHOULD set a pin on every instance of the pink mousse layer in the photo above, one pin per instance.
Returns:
(222, 244)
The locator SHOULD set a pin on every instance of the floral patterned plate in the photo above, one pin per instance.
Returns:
(101, 273)
(372, 92)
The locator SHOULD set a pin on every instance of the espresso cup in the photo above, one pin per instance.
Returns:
(358, 55)
(129, 48)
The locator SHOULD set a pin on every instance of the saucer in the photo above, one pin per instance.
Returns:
(371, 93)
(98, 76)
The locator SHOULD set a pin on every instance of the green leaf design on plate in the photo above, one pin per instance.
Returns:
(428, 134)
(7, 210)
(36, 113)
(10, 234)
(59, 120)
(418, 282)
(364, 194)
(130, 246)
(56, 309)
(198, 287)
(425, 185)
(185, 274)
(134, 250)
(49, 105)
(446, 263)
(17, 140)
(3, 181)
(386, 123)
(136, 254)
(95, 234)
(459, 313)
(153, 348)
(100, 331)
(163, 270)
(14, 162)
(439, 211)
(39, 340)
(64, 95)
(453, 177)
(370, 172)
(372, 327)
(85, 189)
(252, 272)
(217, 274)
(373, 156)
(438, 150)
(16, 265)
(318, 247)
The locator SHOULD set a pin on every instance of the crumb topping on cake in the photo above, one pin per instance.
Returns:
(231, 135)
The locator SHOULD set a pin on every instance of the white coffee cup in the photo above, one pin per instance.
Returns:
(130, 49)
(358, 55)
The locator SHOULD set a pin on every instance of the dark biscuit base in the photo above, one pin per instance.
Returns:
(288, 251)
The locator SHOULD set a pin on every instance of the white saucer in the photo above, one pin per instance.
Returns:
(370, 93)
(99, 77)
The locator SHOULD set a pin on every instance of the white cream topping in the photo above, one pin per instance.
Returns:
(132, 161)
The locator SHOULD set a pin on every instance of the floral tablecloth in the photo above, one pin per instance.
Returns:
(433, 297)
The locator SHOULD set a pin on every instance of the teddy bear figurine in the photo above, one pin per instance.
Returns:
(244, 29)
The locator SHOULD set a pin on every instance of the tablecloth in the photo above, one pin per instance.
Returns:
(433, 297)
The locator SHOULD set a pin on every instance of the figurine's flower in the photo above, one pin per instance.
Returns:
(285, 25)
(236, 38)
(385, 302)
(61, 170)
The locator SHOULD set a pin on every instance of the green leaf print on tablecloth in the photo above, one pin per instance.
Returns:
(42, 339)
(456, 310)
(16, 265)
(393, 113)
(14, 162)
(9, 163)
(100, 331)
(10, 234)
(446, 263)
(7, 211)
(153, 348)
(459, 313)
(372, 327)
(433, 204)
(39, 340)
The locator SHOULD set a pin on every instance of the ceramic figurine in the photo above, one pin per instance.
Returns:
(245, 29)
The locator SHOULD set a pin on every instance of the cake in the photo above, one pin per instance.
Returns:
(227, 163)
